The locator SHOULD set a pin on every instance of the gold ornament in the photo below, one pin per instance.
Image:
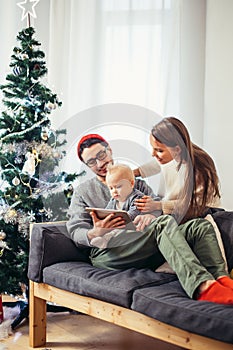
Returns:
(2, 235)
(16, 181)
(12, 213)
(36, 156)
(10, 217)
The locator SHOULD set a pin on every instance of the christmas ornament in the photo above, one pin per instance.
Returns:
(36, 66)
(18, 160)
(16, 181)
(57, 155)
(27, 102)
(24, 56)
(36, 156)
(28, 7)
(69, 191)
(10, 216)
(17, 70)
(30, 164)
(44, 134)
(48, 213)
(3, 246)
(50, 106)
(31, 216)
(2, 235)
(23, 221)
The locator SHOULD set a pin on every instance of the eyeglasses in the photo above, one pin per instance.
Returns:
(101, 155)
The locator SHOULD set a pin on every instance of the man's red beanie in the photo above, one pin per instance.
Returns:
(87, 137)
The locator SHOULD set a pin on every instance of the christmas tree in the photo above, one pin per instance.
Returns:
(32, 187)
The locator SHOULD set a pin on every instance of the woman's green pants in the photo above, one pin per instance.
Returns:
(191, 249)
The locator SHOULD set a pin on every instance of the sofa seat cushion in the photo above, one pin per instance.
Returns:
(170, 304)
(114, 286)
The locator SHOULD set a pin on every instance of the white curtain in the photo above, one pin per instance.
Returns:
(115, 51)
(115, 64)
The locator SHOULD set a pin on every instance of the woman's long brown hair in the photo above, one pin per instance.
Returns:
(201, 183)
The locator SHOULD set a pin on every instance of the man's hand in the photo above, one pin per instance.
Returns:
(100, 227)
(141, 221)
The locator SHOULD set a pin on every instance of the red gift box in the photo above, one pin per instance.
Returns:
(1, 310)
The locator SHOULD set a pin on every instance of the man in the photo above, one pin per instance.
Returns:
(96, 153)
(202, 274)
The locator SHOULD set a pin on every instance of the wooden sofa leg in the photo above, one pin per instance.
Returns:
(37, 319)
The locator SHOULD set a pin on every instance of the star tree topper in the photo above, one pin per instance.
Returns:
(28, 7)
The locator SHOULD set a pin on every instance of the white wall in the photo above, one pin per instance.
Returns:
(218, 135)
(192, 66)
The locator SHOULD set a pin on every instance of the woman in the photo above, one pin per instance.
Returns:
(191, 183)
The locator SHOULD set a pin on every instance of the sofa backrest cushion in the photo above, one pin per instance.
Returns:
(224, 221)
(49, 245)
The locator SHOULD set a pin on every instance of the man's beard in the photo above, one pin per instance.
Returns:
(105, 166)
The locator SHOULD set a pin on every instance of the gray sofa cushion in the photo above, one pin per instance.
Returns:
(49, 245)
(112, 286)
(224, 221)
(169, 303)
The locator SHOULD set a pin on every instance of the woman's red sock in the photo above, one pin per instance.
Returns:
(226, 282)
(217, 293)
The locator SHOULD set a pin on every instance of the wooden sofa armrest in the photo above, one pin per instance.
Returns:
(49, 245)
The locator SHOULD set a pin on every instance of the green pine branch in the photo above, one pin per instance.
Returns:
(33, 187)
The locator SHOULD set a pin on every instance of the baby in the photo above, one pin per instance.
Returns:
(120, 181)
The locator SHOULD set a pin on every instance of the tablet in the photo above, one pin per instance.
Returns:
(102, 213)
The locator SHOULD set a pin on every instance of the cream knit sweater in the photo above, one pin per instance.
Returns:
(171, 185)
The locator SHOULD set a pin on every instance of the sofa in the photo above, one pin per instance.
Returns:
(151, 303)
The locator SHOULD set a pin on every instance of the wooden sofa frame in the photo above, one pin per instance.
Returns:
(130, 319)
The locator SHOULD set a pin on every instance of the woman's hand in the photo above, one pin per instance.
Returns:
(141, 221)
(136, 172)
(146, 204)
(102, 226)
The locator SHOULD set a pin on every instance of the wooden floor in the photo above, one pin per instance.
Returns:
(81, 332)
